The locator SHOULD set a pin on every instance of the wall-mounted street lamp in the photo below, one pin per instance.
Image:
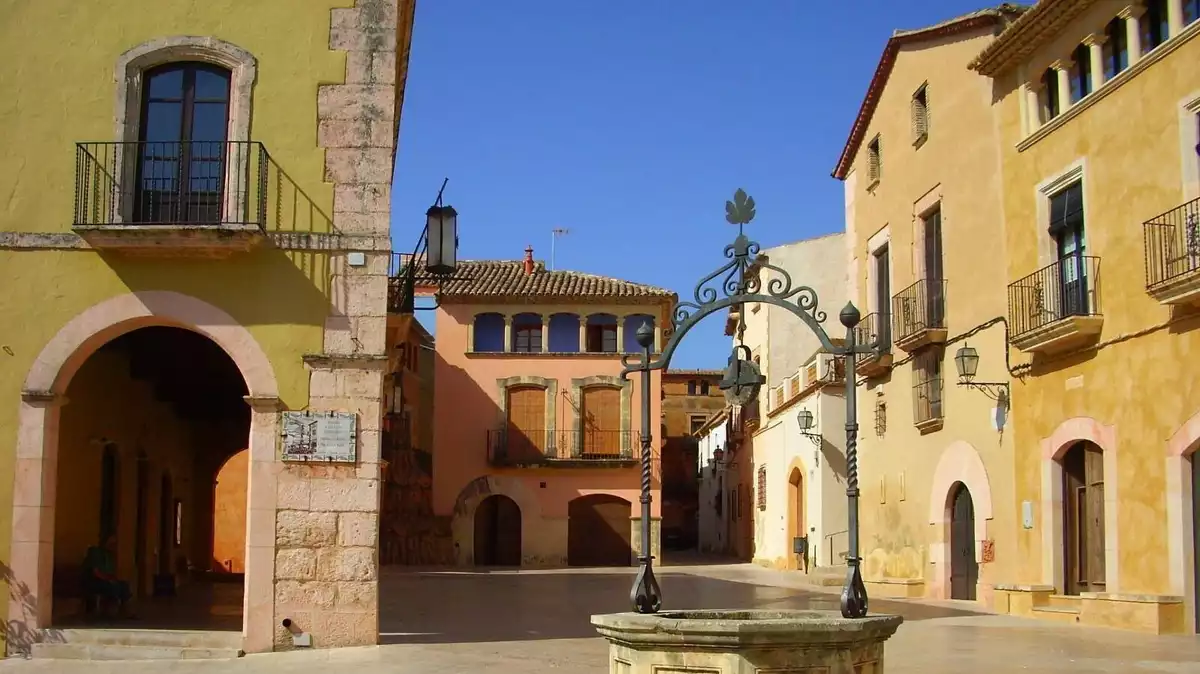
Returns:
(967, 362)
(437, 245)
(805, 419)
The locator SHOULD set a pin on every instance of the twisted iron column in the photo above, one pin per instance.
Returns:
(854, 593)
(646, 595)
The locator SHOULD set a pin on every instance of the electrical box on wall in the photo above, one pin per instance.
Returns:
(1027, 514)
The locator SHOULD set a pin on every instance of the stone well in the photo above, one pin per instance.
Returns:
(745, 642)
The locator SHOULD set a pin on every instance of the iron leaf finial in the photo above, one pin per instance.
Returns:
(740, 211)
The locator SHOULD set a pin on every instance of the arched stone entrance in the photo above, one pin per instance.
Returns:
(964, 567)
(796, 526)
(959, 468)
(37, 450)
(462, 525)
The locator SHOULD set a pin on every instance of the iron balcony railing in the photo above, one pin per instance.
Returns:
(1069, 287)
(1172, 244)
(512, 446)
(919, 307)
(875, 326)
(182, 183)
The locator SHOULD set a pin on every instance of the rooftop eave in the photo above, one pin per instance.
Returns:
(1031, 30)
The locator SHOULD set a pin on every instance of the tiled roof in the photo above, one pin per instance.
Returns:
(1000, 15)
(694, 373)
(506, 279)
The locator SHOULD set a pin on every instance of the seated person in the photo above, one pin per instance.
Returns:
(100, 576)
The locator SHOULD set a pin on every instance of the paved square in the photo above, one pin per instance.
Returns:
(502, 622)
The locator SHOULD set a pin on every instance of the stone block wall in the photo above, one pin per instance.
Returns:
(327, 517)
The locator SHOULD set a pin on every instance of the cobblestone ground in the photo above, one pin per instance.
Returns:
(448, 622)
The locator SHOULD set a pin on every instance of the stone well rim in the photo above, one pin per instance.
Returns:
(716, 627)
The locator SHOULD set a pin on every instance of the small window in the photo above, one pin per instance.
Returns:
(874, 162)
(927, 392)
(1081, 72)
(527, 333)
(695, 423)
(602, 333)
(691, 387)
(1116, 48)
(1153, 25)
(1191, 11)
(704, 388)
(920, 114)
(1050, 102)
(489, 333)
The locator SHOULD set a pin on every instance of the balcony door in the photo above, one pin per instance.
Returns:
(182, 153)
(883, 295)
(1067, 229)
(934, 270)
(525, 439)
(601, 421)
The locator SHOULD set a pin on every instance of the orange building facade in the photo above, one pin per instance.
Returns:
(689, 399)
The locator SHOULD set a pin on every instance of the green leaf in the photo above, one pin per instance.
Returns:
(740, 211)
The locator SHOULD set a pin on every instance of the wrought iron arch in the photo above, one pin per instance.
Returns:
(738, 282)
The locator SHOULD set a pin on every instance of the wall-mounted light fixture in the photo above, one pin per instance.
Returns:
(967, 362)
(805, 419)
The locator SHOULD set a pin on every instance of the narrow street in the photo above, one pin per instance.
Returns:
(504, 622)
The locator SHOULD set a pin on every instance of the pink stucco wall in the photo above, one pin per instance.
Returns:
(467, 403)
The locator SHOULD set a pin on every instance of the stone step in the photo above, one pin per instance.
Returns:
(85, 651)
(1063, 601)
(1057, 613)
(827, 576)
(165, 638)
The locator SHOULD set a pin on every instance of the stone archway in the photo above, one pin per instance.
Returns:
(960, 466)
(462, 525)
(1183, 524)
(42, 396)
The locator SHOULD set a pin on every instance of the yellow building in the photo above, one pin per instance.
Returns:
(923, 223)
(1097, 104)
(194, 244)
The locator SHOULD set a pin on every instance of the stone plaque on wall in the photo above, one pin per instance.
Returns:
(320, 436)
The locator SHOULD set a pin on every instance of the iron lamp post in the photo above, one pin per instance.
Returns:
(728, 286)
(966, 360)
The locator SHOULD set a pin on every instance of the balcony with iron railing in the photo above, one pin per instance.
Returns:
(202, 196)
(1173, 255)
(512, 447)
(1057, 307)
(874, 328)
(919, 314)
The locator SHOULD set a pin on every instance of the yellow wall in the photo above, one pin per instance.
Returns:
(58, 85)
(1147, 387)
(958, 166)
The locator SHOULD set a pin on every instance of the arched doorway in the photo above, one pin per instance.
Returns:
(1083, 518)
(498, 532)
(795, 517)
(964, 569)
(229, 515)
(598, 531)
(151, 415)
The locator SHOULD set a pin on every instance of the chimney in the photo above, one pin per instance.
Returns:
(529, 260)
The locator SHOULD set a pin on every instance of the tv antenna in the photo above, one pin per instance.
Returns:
(554, 234)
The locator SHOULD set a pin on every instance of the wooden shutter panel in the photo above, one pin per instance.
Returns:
(526, 422)
(601, 420)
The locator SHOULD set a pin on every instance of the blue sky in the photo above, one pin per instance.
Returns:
(631, 122)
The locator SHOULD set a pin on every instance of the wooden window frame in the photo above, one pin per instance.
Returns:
(874, 162)
(920, 115)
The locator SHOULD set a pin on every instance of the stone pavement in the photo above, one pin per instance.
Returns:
(502, 622)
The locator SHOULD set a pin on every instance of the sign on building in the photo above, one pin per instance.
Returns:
(320, 436)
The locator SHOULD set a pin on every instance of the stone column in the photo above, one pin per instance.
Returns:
(508, 336)
(1174, 17)
(1133, 33)
(1062, 69)
(1033, 105)
(582, 334)
(261, 501)
(1095, 45)
(545, 334)
(621, 334)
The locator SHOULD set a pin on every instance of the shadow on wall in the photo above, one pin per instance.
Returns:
(18, 637)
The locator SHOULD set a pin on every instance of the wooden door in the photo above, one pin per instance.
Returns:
(166, 525)
(601, 411)
(598, 531)
(1083, 515)
(498, 532)
(964, 570)
(932, 316)
(526, 434)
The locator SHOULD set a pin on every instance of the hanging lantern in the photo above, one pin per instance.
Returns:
(442, 224)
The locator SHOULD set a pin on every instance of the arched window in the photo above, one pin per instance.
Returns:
(182, 150)
(527, 333)
(489, 333)
(632, 325)
(601, 333)
(564, 333)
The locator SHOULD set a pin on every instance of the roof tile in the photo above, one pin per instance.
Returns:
(497, 279)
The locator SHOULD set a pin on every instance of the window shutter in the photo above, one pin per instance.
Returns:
(920, 116)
